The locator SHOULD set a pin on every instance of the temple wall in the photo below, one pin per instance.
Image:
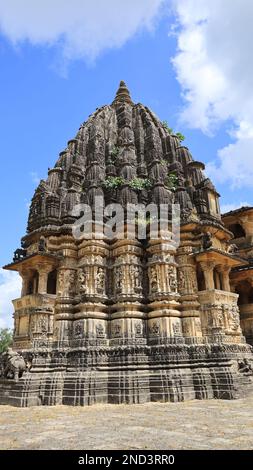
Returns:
(120, 293)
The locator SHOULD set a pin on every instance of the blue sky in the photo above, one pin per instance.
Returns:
(59, 70)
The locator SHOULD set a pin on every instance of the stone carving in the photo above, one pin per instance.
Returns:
(176, 329)
(162, 257)
(172, 278)
(187, 328)
(138, 329)
(42, 325)
(60, 281)
(216, 318)
(207, 241)
(13, 365)
(181, 281)
(66, 282)
(155, 329)
(136, 278)
(83, 276)
(70, 277)
(119, 279)
(100, 280)
(233, 318)
(95, 260)
(116, 330)
(167, 339)
(187, 280)
(42, 244)
(19, 254)
(100, 331)
(78, 330)
(232, 248)
(153, 279)
(245, 367)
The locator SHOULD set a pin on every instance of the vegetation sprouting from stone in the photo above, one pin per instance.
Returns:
(179, 135)
(140, 183)
(166, 126)
(113, 155)
(171, 181)
(113, 182)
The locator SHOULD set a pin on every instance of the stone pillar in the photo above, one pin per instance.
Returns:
(26, 278)
(225, 270)
(207, 268)
(90, 324)
(164, 319)
(217, 282)
(91, 271)
(66, 291)
(43, 275)
(127, 324)
(188, 289)
(66, 282)
(220, 316)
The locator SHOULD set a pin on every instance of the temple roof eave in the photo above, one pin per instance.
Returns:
(242, 273)
(32, 261)
(244, 209)
(220, 257)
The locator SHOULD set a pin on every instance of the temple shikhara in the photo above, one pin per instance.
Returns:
(129, 320)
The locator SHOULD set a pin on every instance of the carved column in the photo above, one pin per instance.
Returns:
(207, 268)
(41, 319)
(127, 317)
(26, 278)
(217, 282)
(43, 275)
(224, 271)
(66, 291)
(164, 322)
(90, 318)
(41, 324)
(188, 289)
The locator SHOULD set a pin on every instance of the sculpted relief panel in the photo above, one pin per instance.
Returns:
(219, 312)
(128, 276)
(66, 282)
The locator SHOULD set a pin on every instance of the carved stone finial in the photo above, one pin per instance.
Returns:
(122, 95)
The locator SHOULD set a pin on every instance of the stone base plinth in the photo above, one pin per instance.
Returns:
(130, 374)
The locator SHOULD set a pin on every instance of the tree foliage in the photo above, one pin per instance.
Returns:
(5, 339)
(140, 183)
(180, 136)
(171, 181)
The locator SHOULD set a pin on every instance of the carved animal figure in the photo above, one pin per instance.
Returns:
(207, 240)
(13, 365)
(245, 367)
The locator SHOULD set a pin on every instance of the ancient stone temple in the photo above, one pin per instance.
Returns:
(240, 223)
(126, 319)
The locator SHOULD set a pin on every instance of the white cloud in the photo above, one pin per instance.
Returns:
(231, 207)
(234, 164)
(10, 288)
(214, 67)
(35, 177)
(83, 28)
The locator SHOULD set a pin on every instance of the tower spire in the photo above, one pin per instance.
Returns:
(122, 95)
